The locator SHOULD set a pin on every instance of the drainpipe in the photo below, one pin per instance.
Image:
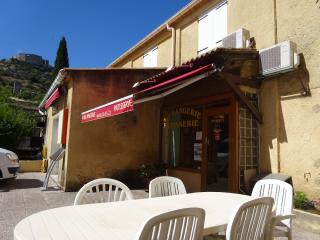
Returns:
(41, 113)
(173, 49)
(275, 21)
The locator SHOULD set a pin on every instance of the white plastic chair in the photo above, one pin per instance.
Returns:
(250, 220)
(181, 224)
(166, 186)
(103, 190)
(282, 193)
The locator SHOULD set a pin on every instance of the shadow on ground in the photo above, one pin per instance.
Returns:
(13, 184)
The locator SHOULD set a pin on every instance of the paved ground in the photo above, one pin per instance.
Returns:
(22, 197)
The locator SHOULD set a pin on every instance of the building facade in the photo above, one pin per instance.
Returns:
(100, 149)
(290, 132)
(211, 116)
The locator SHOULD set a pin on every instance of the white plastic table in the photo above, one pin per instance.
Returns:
(122, 220)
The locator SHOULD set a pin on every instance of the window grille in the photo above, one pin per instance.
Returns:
(249, 139)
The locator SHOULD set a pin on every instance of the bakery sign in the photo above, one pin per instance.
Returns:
(182, 117)
(110, 109)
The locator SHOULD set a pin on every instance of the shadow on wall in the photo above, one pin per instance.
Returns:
(275, 90)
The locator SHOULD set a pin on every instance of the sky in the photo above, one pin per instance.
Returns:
(97, 31)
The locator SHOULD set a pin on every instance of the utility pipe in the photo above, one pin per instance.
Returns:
(173, 49)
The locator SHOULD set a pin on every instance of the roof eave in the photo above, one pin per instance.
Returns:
(157, 31)
(57, 81)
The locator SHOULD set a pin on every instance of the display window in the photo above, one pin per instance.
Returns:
(182, 137)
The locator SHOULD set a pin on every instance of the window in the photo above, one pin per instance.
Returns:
(212, 28)
(182, 137)
(249, 139)
(150, 58)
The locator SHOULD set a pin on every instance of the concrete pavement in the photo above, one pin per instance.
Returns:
(22, 197)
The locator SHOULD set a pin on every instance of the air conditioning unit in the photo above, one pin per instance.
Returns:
(237, 39)
(279, 58)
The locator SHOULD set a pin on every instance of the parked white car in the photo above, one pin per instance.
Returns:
(9, 164)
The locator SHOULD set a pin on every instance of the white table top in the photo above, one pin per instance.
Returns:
(122, 220)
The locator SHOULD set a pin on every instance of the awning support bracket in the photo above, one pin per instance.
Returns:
(230, 79)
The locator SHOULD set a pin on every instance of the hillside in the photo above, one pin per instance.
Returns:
(34, 80)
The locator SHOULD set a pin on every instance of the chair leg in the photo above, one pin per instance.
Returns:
(290, 233)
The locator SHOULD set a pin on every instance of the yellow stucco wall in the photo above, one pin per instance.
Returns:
(164, 50)
(189, 41)
(128, 64)
(138, 62)
(290, 132)
(97, 149)
(298, 21)
(100, 148)
(255, 16)
(300, 153)
(191, 180)
(30, 165)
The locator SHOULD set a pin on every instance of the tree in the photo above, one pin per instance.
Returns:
(62, 59)
(14, 122)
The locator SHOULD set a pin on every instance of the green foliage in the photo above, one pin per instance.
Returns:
(301, 201)
(151, 171)
(34, 79)
(14, 122)
(62, 59)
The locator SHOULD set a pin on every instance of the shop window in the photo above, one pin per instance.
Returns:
(212, 27)
(182, 137)
(150, 58)
(249, 141)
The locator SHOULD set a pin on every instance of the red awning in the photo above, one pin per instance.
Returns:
(110, 109)
(55, 95)
(174, 81)
(125, 104)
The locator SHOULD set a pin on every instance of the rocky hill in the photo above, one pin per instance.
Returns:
(31, 81)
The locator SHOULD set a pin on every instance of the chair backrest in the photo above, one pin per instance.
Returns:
(181, 224)
(250, 220)
(166, 186)
(103, 190)
(280, 191)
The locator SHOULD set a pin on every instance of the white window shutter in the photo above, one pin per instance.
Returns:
(212, 28)
(146, 60)
(220, 23)
(150, 59)
(154, 57)
(203, 33)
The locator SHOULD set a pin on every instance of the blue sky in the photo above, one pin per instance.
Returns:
(97, 31)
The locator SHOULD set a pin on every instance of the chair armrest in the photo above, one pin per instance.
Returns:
(278, 218)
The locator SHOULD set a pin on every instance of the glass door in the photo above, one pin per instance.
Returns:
(217, 150)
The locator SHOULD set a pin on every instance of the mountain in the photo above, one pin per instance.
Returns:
(27, 81)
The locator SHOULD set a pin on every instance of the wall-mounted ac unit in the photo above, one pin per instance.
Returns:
(237, 39)
(279, 58)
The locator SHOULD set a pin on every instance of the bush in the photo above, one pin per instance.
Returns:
(152, 171)
(302, 202)
(129, 177)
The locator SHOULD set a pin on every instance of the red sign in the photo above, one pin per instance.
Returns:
(108, 110)
(216, 136)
